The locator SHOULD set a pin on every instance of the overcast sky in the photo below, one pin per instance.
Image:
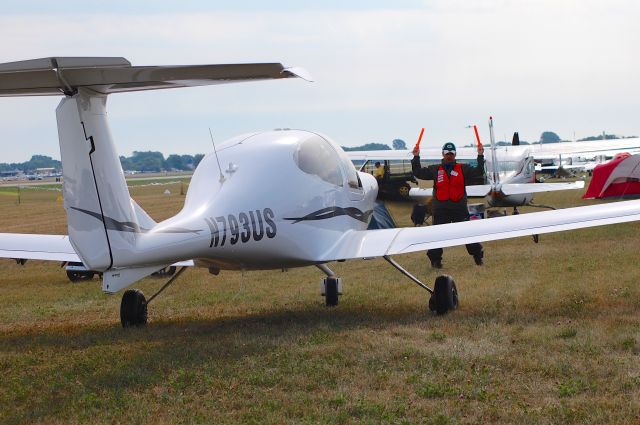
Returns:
(383, 69)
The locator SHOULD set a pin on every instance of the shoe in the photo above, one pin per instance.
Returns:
(478, 260)
(436, 264)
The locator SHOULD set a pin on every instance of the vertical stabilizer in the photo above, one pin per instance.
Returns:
(101, 218)
(494, 172)
(515, 141)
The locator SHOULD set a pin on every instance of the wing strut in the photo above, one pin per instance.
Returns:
(406, 273)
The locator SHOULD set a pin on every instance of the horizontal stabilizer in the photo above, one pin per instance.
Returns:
(58, 248)
(115, 280)
(65, 75)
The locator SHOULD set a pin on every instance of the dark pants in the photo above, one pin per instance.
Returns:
(453, 216)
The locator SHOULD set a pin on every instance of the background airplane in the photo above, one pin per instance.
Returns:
(510, 177)
(263, 200)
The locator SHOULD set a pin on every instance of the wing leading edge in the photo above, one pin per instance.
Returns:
(377, 243)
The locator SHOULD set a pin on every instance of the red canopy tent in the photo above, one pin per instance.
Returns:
(619, 177)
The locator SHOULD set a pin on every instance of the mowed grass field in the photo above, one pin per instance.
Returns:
(545, 333)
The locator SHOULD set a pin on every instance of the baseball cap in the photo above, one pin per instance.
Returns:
(449, 147)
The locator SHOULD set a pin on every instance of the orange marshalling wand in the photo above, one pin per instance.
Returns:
(420, 138)
(477, 136)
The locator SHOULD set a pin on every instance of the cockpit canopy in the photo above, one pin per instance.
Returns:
(320, 157)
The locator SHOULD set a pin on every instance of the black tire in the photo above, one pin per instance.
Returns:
(77, 276)
(445, 294)
(133, 308)
(166, 272)
(331, 292)
(432, 303)
(73, 275)
(403, 191)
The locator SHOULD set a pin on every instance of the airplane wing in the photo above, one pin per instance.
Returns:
(425, 153)
(521, 188)
(44, 247)
(538, 151)
(37, 247)
(596, 147)
(481, 190)
(385, 154)
(378, 243)
(580, 167)
(476, 190)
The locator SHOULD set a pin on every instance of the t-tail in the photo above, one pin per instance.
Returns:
(105, 224)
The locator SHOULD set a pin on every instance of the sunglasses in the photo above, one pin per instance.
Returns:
(448, 152)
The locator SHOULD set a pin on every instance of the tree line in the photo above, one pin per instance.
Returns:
(155, 161)
(138, 161)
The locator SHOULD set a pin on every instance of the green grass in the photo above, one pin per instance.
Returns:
(545, 333)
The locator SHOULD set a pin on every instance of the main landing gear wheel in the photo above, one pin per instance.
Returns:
(133, 308)
(166, 272)
(77, 276)
(403, 191)
(331, 292)
(445, 295)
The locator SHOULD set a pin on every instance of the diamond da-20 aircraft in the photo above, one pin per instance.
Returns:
(313, 209)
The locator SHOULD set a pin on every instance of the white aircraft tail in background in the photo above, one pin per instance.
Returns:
(512, 180)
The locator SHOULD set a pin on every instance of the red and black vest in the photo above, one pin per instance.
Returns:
(450, 188)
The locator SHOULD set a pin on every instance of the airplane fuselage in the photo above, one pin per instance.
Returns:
(272, 193)
(510, 172)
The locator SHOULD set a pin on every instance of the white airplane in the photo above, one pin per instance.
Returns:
(576, 156)
(262, 200)
(579, 162)
(511, 180)
(604, 148)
